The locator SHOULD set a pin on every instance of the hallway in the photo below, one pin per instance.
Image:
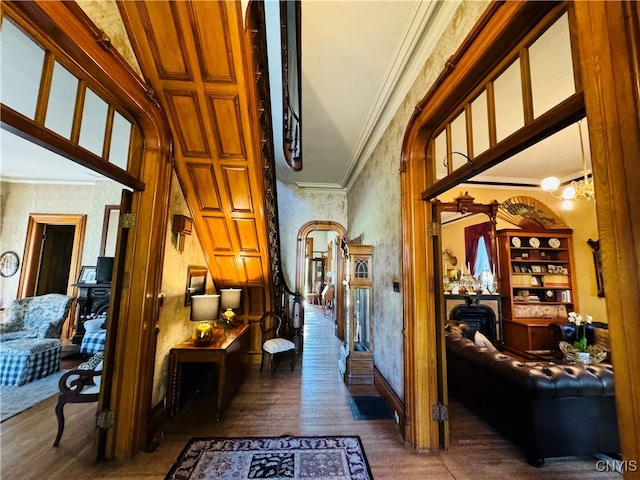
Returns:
(310, 401)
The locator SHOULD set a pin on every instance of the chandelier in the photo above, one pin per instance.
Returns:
(577, 189)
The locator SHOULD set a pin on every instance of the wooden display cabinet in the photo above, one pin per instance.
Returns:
(356, 353)
(537, 284)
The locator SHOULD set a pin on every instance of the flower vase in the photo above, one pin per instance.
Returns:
(583, 357)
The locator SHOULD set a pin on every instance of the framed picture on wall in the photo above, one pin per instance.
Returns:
(87, 275)
(196, 282)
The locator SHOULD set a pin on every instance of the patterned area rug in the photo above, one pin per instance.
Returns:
(14, 400)
(316, 458)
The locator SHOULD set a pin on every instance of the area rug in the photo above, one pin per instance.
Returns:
(14, 400)
(317, 458)
(369, 407)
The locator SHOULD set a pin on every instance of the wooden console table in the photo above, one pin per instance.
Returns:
(228, 352)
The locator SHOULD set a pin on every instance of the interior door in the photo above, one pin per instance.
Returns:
(441, 370)
(55, 262)
(117, 284)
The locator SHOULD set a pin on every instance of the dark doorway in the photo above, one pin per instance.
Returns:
(55, 263)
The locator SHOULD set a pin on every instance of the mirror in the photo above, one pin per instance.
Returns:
(110, 230)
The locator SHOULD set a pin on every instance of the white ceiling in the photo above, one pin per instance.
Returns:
(359, 58)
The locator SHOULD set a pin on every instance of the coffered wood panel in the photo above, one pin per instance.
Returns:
(195, 56)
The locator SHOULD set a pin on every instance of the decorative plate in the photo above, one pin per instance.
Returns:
(534, 242)
(515, 241)
(554, 242)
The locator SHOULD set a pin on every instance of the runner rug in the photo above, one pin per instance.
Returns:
(316, 458)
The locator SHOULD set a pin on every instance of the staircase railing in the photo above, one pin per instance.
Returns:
(286, 302)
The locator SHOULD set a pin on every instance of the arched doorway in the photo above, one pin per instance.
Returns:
(485, 51)
(146, 170)
(335, 267)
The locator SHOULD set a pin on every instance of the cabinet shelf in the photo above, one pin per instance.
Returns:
(536, 283)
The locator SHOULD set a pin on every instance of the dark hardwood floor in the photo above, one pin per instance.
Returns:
(310, 401)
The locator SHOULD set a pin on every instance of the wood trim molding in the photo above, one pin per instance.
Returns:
(65, 31)
(393, 400)
(33, 246)
(608, 36)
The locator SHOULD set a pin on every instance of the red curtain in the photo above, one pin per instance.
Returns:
(472, 236)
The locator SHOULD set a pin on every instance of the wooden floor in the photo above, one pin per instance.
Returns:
(310, 401)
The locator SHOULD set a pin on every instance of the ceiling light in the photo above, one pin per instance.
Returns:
(577, 189)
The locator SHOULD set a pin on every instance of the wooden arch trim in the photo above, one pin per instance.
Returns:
(306, 229)
(503, 26)
(326, 226)
(606, 35)
(64, 27)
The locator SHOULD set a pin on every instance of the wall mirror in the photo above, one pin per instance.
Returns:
(110, 230)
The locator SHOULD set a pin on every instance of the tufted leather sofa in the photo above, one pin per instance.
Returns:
(547, 410)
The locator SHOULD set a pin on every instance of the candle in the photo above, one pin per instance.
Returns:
(468, 268)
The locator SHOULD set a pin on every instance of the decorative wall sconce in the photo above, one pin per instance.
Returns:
(181, 226)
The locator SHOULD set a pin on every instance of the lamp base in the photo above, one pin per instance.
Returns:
(229, 317)
(203, 334)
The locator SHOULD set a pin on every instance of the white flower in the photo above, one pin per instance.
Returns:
(589, 319)
(576, 318)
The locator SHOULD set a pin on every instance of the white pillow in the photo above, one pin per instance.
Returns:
(92, 325)
(483, 341)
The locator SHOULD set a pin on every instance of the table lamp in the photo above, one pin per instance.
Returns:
(230, 299)
(204, 309)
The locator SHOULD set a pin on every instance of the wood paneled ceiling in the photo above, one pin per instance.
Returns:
(194, 55)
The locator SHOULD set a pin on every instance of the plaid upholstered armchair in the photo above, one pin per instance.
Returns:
(30, 343)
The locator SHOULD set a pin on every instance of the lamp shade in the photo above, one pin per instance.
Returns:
(204, 308)
(230, 298)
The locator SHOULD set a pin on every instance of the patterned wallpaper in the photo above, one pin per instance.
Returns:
(374, 205)
(297, 206)
(173, 322)
(21, 199)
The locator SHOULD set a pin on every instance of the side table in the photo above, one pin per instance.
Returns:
(229, 354)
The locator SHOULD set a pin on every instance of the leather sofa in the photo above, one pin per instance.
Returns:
(547, 410)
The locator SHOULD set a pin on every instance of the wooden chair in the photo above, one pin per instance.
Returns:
(81, 385)
(274, 347)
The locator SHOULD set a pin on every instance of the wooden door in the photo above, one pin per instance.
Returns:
(57, 252)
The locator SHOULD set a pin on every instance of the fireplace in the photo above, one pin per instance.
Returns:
(482, 312)
(93, 301)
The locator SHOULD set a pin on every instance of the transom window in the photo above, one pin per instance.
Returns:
(36, 85)
(527, 85)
